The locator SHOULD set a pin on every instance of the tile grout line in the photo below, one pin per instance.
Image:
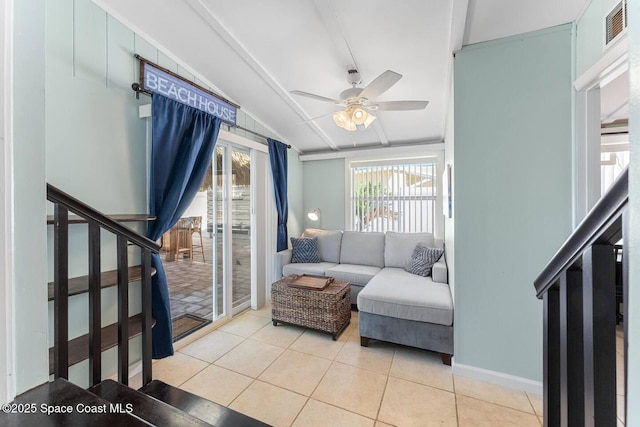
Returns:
(384, 391)
(498, 404)
(455, 397)
(244, 389)
(495, 403)
(182, 383)
(531, 403)
(422, 384)
(317, 385)
(265, 369)
(331, 404)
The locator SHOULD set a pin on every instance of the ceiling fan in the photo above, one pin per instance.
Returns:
(359, 102)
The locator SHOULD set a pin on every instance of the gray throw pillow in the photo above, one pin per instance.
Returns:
(305, 250)
(422, 260)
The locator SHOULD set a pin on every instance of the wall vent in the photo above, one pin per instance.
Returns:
(616, 21)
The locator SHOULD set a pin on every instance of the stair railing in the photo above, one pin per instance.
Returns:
(578, 291)
(63, 204)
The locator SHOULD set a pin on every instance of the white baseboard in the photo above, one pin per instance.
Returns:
(498, 378)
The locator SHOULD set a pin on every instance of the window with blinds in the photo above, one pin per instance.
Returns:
(394, 196)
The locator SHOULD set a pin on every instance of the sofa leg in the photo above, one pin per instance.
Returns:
(446, 359)
(364, 341)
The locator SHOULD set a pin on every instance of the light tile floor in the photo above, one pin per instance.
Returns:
(290, 376)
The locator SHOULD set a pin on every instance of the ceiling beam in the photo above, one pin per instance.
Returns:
(207, 14)
(458, 23)
(330, 19)
(387, 152)
(459, 9)
(380, 132)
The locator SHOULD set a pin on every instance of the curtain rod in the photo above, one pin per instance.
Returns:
(138, 90)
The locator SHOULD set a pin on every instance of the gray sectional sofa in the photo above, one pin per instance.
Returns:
(394, 305)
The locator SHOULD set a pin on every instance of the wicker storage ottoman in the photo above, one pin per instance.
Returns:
(327, 310)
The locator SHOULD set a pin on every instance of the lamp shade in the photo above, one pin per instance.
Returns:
(340, 118)
(359, 116)
(352, 117)
(314, 215)
(369, 120)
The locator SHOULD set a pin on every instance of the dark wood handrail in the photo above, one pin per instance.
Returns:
(56, 195)
(601, 225)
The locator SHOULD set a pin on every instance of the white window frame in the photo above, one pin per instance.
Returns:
(438, 231)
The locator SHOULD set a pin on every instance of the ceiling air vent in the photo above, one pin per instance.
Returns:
(616, 21)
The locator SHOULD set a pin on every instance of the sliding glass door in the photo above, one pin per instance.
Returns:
(233, 207)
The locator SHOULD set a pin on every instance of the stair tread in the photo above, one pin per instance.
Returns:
(199, 407)
(74, 219)
(61, 393)
(79, 285)
(145, 407)
(79, 347)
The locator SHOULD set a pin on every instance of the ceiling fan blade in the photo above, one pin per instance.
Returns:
(399, 105)
(381, 84)
(316, 118)
(317, 97)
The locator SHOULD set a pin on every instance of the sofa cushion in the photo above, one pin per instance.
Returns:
(439, 270)
(423, 259)
(354, 274)
(328, 243)
(398, 247)
(303, 268)
(362, 248)
(305, 250)
(396, 293)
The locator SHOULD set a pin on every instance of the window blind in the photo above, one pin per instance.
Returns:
(398, 196)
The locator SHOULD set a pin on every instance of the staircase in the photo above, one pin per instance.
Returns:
(65, 352)
(106, 403)
(109, 403)
(578, 289)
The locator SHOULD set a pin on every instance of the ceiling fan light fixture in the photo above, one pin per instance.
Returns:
(370, 119)
(358, 102)
(340, 118)
(359, 116)
(350, 126)
(344, 120)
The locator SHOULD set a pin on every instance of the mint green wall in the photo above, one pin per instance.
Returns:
(512, 193)
(590, 34)
(29, 255)
(324, 188)
(295, 191)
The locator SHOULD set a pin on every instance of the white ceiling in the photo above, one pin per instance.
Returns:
(256, 52)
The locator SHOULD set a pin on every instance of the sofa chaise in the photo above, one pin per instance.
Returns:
(394, 305)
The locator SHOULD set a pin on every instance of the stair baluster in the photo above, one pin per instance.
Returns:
(95, 315)
(123, 312)
(147, 321)
(61, 291)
